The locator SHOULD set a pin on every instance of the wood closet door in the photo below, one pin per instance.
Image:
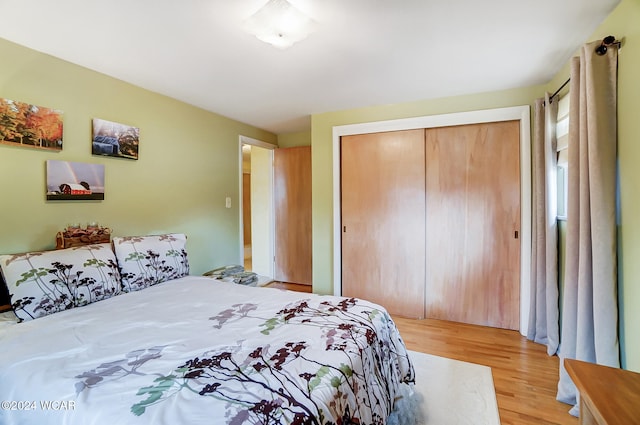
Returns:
(292, 193)
(383, 220)
(473, 212)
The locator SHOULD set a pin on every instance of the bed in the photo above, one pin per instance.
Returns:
(134, 339)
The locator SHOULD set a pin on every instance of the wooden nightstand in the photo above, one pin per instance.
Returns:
(608, 395)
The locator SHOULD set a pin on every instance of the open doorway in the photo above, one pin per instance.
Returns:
(256, 212)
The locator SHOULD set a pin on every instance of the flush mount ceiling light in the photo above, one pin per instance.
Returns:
(280, 24)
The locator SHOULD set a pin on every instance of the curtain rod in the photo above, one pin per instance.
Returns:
(600, 50)
(558, 91)
(607, 42)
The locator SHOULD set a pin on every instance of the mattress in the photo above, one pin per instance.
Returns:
(195, 350)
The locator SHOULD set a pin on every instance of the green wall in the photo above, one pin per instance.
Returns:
(623, 22)
(179, 184)
(292, 140)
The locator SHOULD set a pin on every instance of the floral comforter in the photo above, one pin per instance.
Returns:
(200, 351)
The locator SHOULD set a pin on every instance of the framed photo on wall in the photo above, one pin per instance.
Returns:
(114, 139)
(23, 124)
(74, 181)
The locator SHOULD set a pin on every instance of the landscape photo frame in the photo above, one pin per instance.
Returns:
(114, 139)
(74, 181)
(27, 125)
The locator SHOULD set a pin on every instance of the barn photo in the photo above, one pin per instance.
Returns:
(68, 181)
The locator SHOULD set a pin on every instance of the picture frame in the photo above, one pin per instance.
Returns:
(114, 139)
(26, 125)
(74, 181)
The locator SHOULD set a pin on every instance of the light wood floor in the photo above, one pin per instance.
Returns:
(524, 376)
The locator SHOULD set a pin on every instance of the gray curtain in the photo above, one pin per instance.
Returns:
(543, 317)
(590, 310)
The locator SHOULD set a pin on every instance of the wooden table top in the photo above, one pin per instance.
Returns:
(612, 394)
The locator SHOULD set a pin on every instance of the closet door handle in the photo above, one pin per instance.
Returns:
(515, 235)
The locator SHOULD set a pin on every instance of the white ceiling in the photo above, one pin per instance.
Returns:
(364, 53)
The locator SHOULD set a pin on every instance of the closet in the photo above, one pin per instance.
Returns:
(431, 220)
(383, 219)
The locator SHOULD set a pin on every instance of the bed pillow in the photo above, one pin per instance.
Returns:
(45, 282)
(148, 260)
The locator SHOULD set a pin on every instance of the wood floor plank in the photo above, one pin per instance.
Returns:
(524, 376)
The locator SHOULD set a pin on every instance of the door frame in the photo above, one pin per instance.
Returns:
(244, 140)
(521, 113)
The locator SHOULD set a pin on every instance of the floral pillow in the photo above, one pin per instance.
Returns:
(148, 260)
(42, 283)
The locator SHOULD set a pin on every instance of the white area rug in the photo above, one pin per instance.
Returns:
(448, 392)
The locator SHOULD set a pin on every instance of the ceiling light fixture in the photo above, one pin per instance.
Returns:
(280, 24)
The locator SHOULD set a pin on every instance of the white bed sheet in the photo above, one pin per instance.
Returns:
(152, 357)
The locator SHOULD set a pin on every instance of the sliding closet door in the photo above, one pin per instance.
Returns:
(292, 203)
(472, 224)
(383, 220)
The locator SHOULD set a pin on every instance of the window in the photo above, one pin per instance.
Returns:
(562, 137)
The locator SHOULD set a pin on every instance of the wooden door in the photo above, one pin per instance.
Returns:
(292, 203)
(472, 221)
(383, 220)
